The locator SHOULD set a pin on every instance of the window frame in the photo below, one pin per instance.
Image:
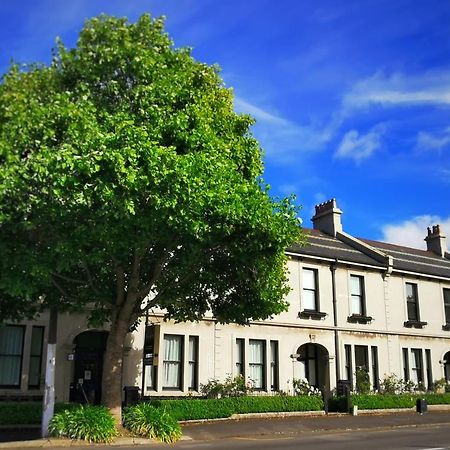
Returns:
(179, 362)
(361, 297)
(315, 290)
(262, 365)
(240, 357)
(412, 300)
(38, 356)
(274, 366)
(193, 363)
(18, 355)
(446, 301)
(416, 355)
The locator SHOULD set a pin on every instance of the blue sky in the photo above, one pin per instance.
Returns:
(351, 98)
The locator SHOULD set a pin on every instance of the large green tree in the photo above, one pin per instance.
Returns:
(127, 181)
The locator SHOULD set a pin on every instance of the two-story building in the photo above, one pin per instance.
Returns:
(354, 303)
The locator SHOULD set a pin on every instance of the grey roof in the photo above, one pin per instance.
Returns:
(406, 259)
(414, 260)
(324, 246)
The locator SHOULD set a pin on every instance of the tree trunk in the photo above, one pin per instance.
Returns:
(112, 368)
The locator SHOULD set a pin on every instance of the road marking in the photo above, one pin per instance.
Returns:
(434, 448)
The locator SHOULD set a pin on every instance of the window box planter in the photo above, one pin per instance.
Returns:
(310, 314)
(414, 324)
(358, 318)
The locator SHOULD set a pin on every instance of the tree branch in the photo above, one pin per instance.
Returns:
(62, 291)
(155, 273)
(69, 279)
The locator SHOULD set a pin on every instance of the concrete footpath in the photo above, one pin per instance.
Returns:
(262, 425)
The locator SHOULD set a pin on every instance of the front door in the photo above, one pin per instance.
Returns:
(88, 370)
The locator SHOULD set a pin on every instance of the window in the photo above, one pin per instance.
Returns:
(274, 365)
(173, 345)
(193, 363)
(34, 375)
(361, 357)
(348, 364)
(149, 350)
(416, 365)
(11, 352)
(447, 305)
(405, 364)
(309, 295)
(357, 295)
(429, 369)
(375, 375)
(239, 369)
(257, 363)
(412, 302)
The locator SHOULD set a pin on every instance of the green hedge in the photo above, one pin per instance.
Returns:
(388, 401)
(194, 409)
(26, 413)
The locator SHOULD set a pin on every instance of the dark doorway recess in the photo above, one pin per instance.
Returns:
(86, 386)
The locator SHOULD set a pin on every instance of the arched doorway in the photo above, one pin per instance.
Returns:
(447, 366)
(313, 365)
(88, 367)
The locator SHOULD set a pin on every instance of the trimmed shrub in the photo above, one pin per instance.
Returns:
(243, 405)
(20, 413)
(385, 401)
(146, 420)
(436, 399)
(27, 413)
(195, 409)
(88, 423)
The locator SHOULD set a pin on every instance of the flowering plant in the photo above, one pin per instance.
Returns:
(302, 387)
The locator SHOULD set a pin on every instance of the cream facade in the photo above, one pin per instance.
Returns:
(354, 304)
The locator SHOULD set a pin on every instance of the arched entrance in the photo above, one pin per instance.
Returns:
(88, 367)
(313, 365)
(447, 366)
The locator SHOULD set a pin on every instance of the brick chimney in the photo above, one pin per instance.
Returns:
(328, 218)
(436, 241)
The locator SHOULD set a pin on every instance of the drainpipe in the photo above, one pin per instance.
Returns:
(333, 266)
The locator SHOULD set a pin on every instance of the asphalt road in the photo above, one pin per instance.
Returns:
(400, 431)
(436, 437)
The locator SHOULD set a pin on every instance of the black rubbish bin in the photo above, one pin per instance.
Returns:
(421, 405)
(131, 395)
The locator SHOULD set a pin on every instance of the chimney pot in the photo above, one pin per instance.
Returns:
(327, 217)
(436, 242)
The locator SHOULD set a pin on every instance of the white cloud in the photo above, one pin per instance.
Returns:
(282, 140)
(398, 89)
(412, 232)
(358, 146)
(429, 141)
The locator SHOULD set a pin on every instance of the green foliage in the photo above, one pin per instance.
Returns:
(386, 401)
(231, 387)
(195, 409)
(302, 387)
(436, 399)
(88, 423)
(124, 160)
(391, 384)
(146, 420)
(439, 386)
(26, 413)
(362, 381)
